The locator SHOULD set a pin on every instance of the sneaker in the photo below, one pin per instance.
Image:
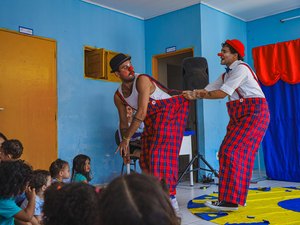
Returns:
(222, 206)
(174, 203)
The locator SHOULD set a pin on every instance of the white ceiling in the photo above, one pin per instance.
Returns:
(246, 10)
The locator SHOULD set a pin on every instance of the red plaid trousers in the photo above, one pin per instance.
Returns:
(161, 140)
(249, 120)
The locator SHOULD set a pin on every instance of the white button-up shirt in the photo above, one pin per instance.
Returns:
(239, 77)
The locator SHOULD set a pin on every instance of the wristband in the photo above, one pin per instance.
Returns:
(125, 138)
(137, 119)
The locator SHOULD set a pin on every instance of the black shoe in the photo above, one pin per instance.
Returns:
(221, 205)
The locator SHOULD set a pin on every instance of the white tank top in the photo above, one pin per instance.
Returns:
(132, 99)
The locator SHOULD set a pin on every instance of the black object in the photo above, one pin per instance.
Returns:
(204, 187)
(187, 168)
(195, 73)
(207, 179)
(117, 60)
(195, 76)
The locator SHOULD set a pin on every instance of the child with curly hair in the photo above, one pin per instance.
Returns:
(40, 180)
(81, 170)
(59, 170)
(14, 178)
(11, 150)
(136, 199)
(71, 204)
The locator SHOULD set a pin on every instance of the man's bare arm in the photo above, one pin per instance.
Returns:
(124, 145)
(217, 94)
(144, 88)
(122, 114)
(202, 93)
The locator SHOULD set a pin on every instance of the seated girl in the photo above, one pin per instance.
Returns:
(81, 170)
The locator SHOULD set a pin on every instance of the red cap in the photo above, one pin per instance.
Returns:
(237, 45)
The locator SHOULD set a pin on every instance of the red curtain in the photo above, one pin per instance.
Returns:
(278, 61)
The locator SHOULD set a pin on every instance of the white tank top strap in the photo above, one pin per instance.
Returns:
(132, 100)
(159, 94)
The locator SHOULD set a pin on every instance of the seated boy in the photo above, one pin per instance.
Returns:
(59, 170)
(11, 150)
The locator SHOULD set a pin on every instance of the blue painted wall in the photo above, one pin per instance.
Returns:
(87, 118)
(180, 28)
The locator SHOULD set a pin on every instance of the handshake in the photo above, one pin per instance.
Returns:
(197, 93)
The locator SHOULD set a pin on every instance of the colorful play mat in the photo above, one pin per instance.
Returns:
(280, 205)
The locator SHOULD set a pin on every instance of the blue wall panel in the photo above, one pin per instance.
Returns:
(180, 28)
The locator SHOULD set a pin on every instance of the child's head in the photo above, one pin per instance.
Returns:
(71, 204)
(129, 111)
(11, 149)
(136, 199)
(2, 138)
(60, 169)
(81, 164)
(14, 178)
(40, 180)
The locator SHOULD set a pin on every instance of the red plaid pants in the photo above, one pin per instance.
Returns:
(249, 120)
(161, 140)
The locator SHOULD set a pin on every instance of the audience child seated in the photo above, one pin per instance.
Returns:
(40, 181)
(81, 170)
(137, 135)
(11, 150)
(71, 204)
(14, 178)
(59, 170)
(136, 199)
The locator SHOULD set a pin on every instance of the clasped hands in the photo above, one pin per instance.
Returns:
(197, 93)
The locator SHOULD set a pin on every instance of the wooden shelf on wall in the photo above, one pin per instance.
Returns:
(96, 64)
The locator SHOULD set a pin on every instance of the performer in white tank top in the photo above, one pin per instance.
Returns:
(132, 100)
(164, 117)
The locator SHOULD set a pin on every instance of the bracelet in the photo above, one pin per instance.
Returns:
(125, 138)
(137, 119)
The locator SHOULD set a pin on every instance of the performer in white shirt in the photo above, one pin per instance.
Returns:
(249, 120)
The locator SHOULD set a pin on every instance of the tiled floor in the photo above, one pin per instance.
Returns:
(185, 193)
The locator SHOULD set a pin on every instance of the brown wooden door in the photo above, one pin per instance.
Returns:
(28, 99)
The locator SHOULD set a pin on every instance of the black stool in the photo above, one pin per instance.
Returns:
(133, 158)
